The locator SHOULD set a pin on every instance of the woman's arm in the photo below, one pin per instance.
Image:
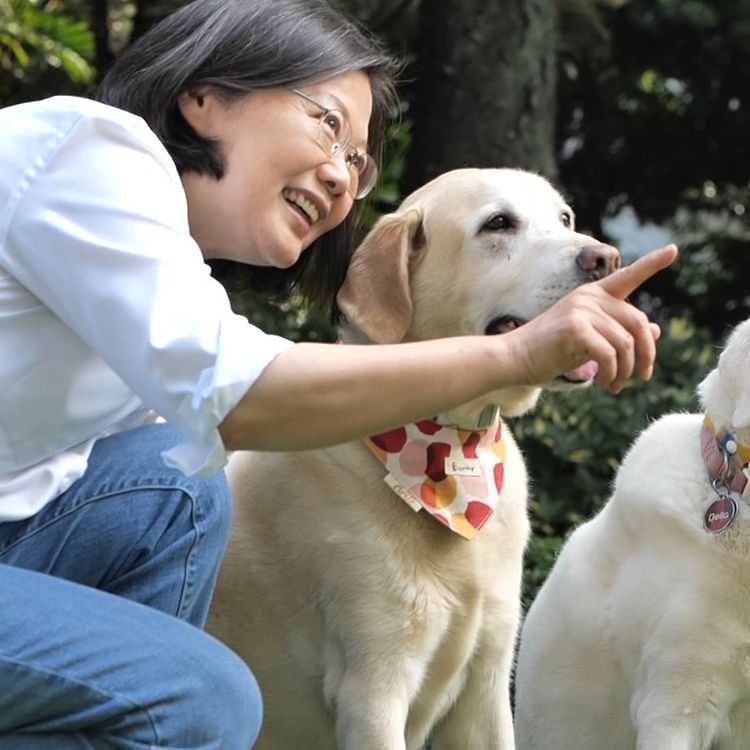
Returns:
(314, 395)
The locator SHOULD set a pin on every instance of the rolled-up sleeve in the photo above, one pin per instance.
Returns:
(98, 231)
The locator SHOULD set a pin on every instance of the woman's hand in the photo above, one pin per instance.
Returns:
(595, 323)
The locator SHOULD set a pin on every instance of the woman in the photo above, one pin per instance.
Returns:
(238, 131)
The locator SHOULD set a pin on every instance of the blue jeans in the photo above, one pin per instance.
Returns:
(83, 663)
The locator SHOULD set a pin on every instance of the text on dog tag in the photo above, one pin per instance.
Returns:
(720, 514)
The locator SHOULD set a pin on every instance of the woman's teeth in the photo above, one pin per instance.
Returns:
(306, 206)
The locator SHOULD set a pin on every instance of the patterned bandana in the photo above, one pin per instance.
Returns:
(456, 475)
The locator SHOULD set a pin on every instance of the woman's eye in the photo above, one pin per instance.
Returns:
(357, 160)
(334, 122)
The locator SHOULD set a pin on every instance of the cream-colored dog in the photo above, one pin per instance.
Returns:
(640, 637)
(369, 625)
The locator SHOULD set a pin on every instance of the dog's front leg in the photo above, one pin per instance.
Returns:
(481, 718)
(370, 714)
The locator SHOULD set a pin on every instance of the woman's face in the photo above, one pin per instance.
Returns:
(281, 190)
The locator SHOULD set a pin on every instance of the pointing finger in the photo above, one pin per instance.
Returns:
(623, 283)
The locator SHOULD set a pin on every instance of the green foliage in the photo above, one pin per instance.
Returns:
(540, 556)
(37, 40)
(289, 318)
(662, 110)
(574, 441)
(655, 118)
(707, 284)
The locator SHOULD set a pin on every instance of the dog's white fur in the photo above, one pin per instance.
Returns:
(370, 626)
(640, 637)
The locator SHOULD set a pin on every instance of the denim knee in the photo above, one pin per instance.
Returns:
(227, 707)
(214, 501)
(132, 527)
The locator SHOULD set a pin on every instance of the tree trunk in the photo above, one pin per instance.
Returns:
(100, 28)
(484, 87)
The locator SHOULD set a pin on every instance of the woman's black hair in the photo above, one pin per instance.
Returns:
(235, 47)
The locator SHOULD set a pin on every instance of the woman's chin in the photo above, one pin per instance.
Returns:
(277, 258)
(285, 259)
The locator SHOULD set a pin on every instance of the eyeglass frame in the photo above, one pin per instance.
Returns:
(364, 187)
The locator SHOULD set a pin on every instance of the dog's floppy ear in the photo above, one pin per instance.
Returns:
(375, 296)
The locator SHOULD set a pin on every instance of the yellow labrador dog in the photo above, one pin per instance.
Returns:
(374, 586)
(640, 637)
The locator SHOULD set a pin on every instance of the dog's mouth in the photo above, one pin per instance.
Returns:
(577, 376)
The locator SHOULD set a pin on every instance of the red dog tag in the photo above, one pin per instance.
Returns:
(720, 514)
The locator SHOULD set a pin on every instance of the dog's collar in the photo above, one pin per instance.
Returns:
(726, 458)
(486, 418)
(455, 474)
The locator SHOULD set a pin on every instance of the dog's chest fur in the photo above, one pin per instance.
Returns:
(362, 561)
(383, 542)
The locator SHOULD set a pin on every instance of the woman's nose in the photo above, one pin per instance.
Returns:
(335, 173)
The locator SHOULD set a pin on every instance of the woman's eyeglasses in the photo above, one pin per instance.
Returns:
(334, 136)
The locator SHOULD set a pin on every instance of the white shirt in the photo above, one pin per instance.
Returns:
(108, 312)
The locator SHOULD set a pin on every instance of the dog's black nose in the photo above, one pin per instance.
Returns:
(598, 261)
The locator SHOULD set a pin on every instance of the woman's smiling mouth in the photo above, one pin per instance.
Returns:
(304, 204)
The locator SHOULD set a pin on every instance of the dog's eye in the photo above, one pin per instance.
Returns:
(499, 222)
(567, 219)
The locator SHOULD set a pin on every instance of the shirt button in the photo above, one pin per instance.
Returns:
(64, 485)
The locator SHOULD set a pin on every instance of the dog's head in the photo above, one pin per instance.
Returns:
(725, 392)
(474, 251)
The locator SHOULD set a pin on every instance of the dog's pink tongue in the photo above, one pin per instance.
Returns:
(582, 373)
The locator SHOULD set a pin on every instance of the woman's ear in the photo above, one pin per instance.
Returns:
(195, 107)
